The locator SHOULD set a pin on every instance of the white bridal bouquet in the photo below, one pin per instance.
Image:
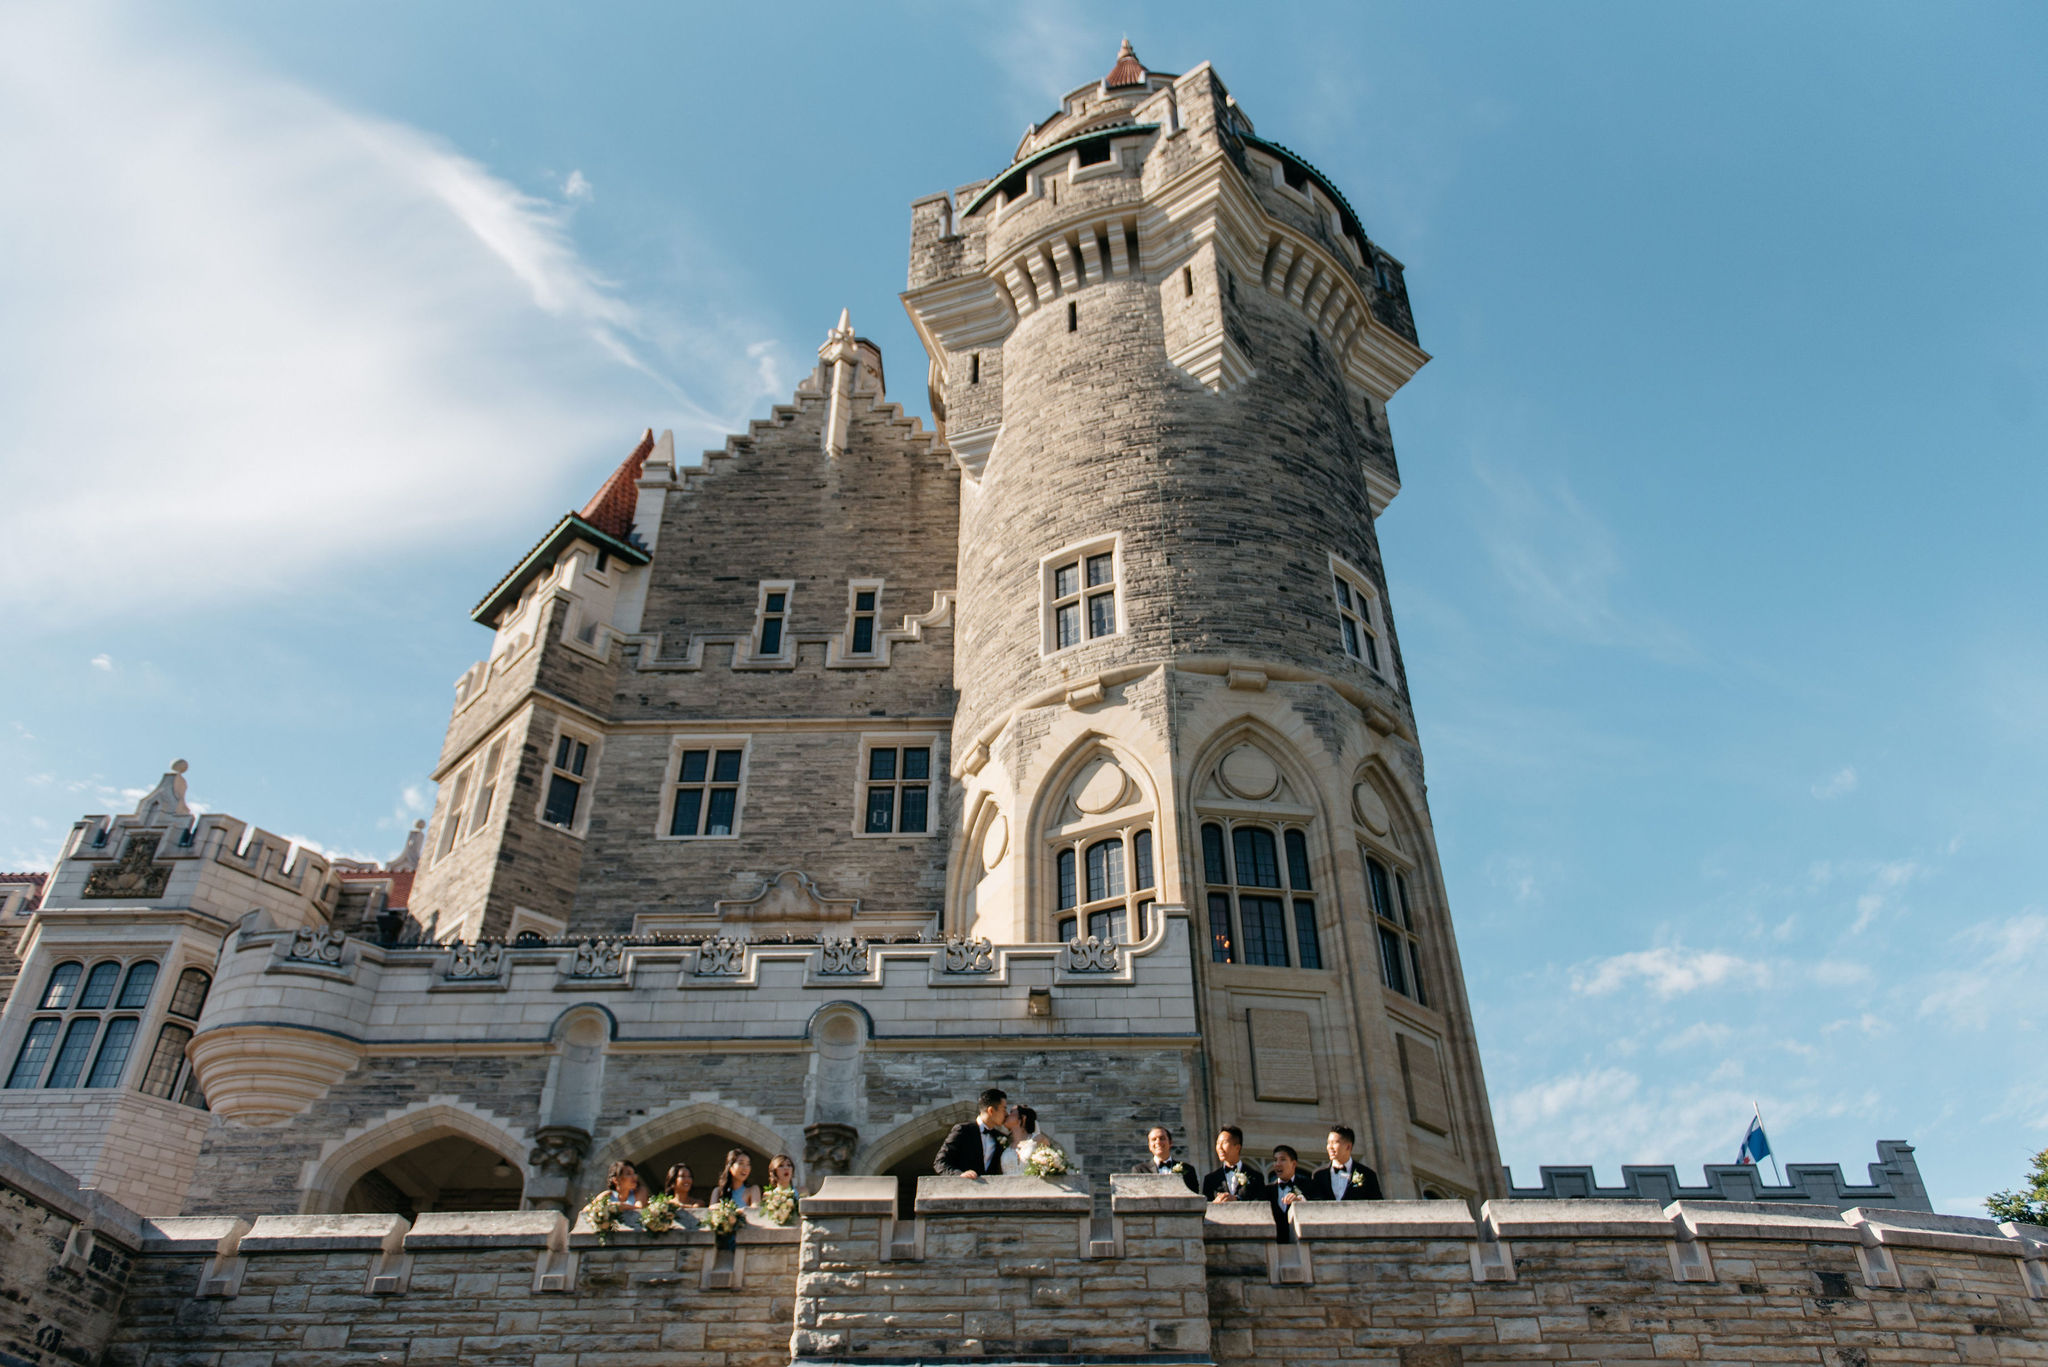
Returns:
(721, 1219)
(1046, 1159)
(658, 1216)
(778, 1205)
(605, 1214)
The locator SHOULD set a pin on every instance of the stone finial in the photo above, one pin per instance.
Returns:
(1128, 70)
(168, 797)
(408, 859)
(841, 356)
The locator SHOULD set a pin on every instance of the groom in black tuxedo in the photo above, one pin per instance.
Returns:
(1345, 1178)
(1235, 1180)
(975, 1148)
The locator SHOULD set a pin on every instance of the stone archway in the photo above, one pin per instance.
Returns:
(696, 1132)
(440, 1150)
(905, 1152)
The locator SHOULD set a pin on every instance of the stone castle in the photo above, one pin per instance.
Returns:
(1065, 745)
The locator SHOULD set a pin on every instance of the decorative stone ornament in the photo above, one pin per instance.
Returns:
(721, 957)
(969, 956)
(598, 959)
(1249, 772)
(559, 1150)
(848, 956)
(1091, 955)
(136, 874)
(480, 962)
(311, 945)
(828, 1149)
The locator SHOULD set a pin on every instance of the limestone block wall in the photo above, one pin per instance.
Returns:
(138, 1150)
(1423, 1283)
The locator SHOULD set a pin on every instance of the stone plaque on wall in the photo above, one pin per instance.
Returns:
(1428, 1104)
(1283, 1063)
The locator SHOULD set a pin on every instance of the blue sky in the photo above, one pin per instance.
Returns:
(1717, 567)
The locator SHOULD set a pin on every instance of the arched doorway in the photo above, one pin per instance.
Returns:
(448, 1173)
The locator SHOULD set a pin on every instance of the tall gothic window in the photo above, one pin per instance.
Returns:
(1103, 864)
(1260, 895)
(1393, 910)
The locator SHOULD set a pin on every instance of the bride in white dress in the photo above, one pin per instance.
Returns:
(1024, 1137)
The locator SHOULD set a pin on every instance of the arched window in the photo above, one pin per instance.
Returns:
(1393, 910)
(1260, 894)
(72, 1049)
(1104, 872)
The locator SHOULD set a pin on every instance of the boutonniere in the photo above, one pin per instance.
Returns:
(1178, 1168)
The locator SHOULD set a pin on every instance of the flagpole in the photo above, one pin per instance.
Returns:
(1758, 1112)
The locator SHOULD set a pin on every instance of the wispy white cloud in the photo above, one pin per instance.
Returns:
(1564, 565)
(1838, 784)
(577, 189)
(1887, 882)
(2014, 950)
(103, 662)
(1669, 971)
(1041, 47)
(286, 335)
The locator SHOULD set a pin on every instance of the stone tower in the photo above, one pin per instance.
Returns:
(1161, 349)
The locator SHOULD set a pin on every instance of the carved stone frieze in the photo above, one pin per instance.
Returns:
(135, 874)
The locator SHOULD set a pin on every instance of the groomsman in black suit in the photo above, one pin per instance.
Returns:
(1162, 1163)
(1344, 1178)
(1236, 1180)
(975, 1148)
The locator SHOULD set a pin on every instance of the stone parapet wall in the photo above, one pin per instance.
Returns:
(1017, 1270)
(65, 1260)
(136, 1149)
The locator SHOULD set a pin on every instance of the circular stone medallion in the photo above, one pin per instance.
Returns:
(1249, 772)
(1100, 788)
(995, 841)
(1371, 808)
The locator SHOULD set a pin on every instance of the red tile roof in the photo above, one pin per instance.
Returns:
(610, 509)
(1127, 71)
(396, 895)
(35, 897)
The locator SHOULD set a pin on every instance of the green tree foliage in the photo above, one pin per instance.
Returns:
(2028, 1204)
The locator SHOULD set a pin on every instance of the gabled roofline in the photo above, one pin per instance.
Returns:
(572, 527)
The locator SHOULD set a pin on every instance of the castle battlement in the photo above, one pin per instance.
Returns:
(1894, 1182)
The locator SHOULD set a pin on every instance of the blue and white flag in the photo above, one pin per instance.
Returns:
(1755, 1148)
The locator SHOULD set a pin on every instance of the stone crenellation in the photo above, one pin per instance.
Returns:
(1894, 1182)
